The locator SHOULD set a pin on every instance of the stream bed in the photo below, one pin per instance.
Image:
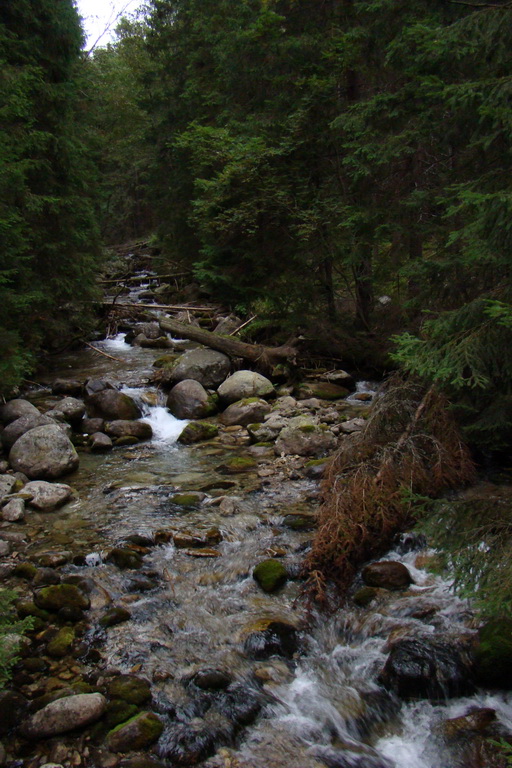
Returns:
(295, 688)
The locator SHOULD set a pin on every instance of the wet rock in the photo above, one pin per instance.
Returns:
(93, 386)
(25, 570)
(12, 708)
(100, 443)
(197, 431)
(129, 688)
(184, 540)
(29, 608)
(91, 426)
(244, 412)
(124, 428)
(53, 598)
(315, 468)
(14, 409)
(189, 400)
(267, 431)
(427, 667)
(46, 495)
(44, 453)
(16, 429)
(191, 499)
(138, 733)
(7, 484)
(324, 390)
(211, 679)
(53, 559)
(62, 643)
(125, 558)
(71, 387)
(113, 405)
(206, 366)
(44, 577)
(271, 638)
(386, 574)
(245, 384)
(64, 715)
(13, 511)
(240, 704)
(119, 712)
(142, 584)
(201, 552)
(303, 437)
(115, 615)
(300, 522)
(270, 575)
(478, 719)
(493, 654)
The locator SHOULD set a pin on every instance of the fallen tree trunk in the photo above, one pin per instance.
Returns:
(263, 357)
(170, 307)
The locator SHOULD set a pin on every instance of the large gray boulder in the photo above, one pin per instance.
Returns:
(64, 715)
(244, 384)
(72, 409)
(44, 453)
(47, 495)
(17, 428)
(14, 409)
(111, 404)
(206, 366)
(245, 412)
(303, 437)
(189, 400)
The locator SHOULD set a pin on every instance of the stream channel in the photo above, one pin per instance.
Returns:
(319, 705)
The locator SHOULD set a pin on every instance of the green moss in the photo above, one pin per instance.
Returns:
(166, 361)
(299, 522)
(59, 596)
(119, 712)
(137, 733)
(364, 596)
(186, 499)
(124, 558)
(115, 615)
(307, 428)
(270, 575)
(62, 643)
(29, 608)
(494, 654)
(315, 462)
(126, 440)
(236, 465)
(129, 688)
(197, 431)
(25, 571)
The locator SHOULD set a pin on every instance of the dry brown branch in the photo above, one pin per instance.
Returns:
(410, 445)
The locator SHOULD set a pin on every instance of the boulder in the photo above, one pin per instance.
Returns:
(125, 558)
(64, 715)
(197, 431)
(211, 679)
(14, 409)
(71, 387)
(386, 574)
(44, 453)
(123, 428)
(62, 644)
(93, 386)
(244, 384)
(268, 430)
(150, 330)
(244, 412)
(17, 428)
(189, 400)
(71, 408)
(115, 615)
(47, 495)
(90, 426)
(14, 511)
(352, 425)
(136, 734)
(324, 390)
(270, 575)
(111, 404)
(206, 366)
(302, 437)
(129, 688)
(99, 442)
(427, 667)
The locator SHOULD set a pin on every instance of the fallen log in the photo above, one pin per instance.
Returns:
(172, 307)
(263, 357)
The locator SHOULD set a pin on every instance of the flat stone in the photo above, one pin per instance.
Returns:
(47, 495)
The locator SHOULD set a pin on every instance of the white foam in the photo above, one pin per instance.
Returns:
(166, 427)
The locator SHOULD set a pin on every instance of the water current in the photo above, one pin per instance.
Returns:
(324, 706)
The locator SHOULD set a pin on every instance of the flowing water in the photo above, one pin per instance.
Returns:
(324, 706)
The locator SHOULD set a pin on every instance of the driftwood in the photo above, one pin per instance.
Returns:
(263, 357)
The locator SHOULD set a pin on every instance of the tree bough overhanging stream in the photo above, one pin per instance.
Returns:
(239, 677)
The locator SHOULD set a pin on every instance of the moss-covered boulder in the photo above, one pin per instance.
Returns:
(237, 465)
(62, 643)
(270, 575)
(129, 688)
(197, 431)
(137, 733)
(58, 596)
(300, 522)
(25, 570)
(364, 596)
(493, 656)
(118, 712)
(191, 499)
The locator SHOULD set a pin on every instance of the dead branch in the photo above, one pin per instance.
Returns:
(100, 352)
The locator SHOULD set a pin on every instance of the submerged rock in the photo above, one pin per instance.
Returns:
(271, 638)
(129, 688)
(58, 596)
(64, 715)
(44, 453)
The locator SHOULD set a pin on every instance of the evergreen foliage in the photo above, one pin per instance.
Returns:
(11, 631)
(47, 216)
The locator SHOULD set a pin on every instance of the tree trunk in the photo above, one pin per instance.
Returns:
(263, 357)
